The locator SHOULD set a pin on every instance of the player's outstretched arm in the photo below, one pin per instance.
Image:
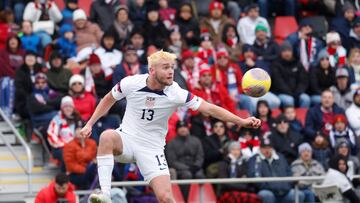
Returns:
(102, 108)
(225, 115)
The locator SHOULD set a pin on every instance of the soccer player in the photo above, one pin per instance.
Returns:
(151, 99)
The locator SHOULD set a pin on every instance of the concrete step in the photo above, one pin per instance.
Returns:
(39, 156)
(14, 180)
(20, 186)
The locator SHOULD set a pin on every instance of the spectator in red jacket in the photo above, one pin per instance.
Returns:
(79, 157)
(85, 102)
(60, 189)
(213, 92)
(229, 75)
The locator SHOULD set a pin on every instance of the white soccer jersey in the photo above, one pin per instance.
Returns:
(147, 111)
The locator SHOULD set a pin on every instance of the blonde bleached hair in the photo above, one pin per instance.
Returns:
(158, 56)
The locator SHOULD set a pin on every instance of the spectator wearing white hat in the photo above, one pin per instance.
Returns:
(337, 53)
(84, 102)
(306, 166)
(87, 34)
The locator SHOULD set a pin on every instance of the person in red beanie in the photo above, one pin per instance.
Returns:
(97, 80)
(190, 70)
(59, 190)
(341, 132)
(216, 22)
(229, 75)
(213, 92)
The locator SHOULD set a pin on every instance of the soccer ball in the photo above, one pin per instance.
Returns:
(256, 82)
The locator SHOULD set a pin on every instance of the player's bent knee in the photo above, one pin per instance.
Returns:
(107, 136)
(110, 142)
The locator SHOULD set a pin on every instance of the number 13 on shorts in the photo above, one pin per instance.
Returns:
(161, 160)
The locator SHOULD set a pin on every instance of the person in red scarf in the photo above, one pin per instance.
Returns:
(337, 53)
(129, 66)
(57, 190)
(213, 92)
(206, 50)
(229, 75)
(249, 143)
(190, 68)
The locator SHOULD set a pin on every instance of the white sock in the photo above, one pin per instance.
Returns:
(105, 165)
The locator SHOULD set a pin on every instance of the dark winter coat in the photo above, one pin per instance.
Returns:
(289, 77)
(320, 80)
(214, 149)
(184, 152)
(287, 143)
(23, 88)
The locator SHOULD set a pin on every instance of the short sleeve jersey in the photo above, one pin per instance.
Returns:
(147, 111)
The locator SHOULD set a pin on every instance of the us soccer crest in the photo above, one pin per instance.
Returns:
(150, 102)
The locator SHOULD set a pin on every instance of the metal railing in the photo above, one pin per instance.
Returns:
(28, 169)
(223, 181)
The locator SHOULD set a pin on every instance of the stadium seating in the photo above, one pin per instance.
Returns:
(301, 115)
(177, 193)
(194, 193)
(328, 193)
(204, 192)
(283, 27)
(275, 112)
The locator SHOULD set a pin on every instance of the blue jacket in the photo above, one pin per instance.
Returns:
(31, 43)
(120, 73)
(260, 167)
(314, 120)
(67, 47)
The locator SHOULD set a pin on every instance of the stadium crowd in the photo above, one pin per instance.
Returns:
(56, 64)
